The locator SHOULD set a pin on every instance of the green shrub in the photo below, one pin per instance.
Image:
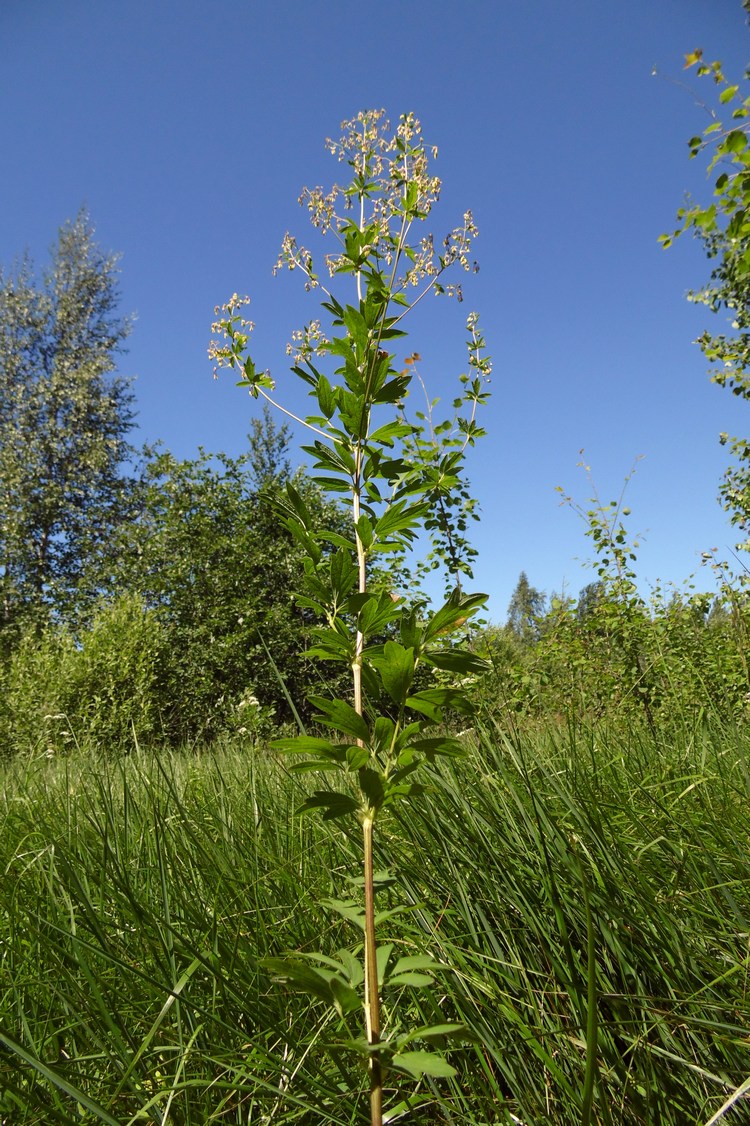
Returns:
(103, 688)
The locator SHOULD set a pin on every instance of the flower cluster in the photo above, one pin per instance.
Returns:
(295, 257)
(234, 329)
(392, 187)
(308, 341)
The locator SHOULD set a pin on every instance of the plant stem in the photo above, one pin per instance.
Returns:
(359, 643)
(372, 995)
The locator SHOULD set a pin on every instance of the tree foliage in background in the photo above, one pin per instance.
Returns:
(64, 425)
(613, 655)
(525, 611)
(723, 226)
(196, 626)
(100, 687)
(210, 557)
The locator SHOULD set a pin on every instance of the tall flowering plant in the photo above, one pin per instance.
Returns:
(400, 474)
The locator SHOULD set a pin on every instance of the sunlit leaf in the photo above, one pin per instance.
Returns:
(395, 667)
(418, 1064)
(342, 717)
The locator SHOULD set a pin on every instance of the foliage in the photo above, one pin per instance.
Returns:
(611, 653)
(724, 228)
(634, 663)
(101, 688)
(398, 477)
(210, 557)
(525, 611)
(617, 616)
(64, 425)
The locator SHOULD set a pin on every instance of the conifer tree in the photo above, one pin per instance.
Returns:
(525, 610)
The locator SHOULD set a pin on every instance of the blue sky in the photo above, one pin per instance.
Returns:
(188, 129)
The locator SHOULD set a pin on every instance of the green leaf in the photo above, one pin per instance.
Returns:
(352, 966)
(734, 142)
(305, 539)
(342, 717)
(378, 612)
(392, 912)
(382, 955)
(364, 531)
(327, 985)
(305, 745)
(386, 434)
(335, 805)
(298, 975)
(331, 645)
(325, 396)
(442, 745)
(395, 665)
(343, 574)
(372, 786)
(393, 391)
(331, 484)
(357, 757)
(383, 733)
(456, 611)
(345, 998)
(425, 707)
(438, 1032)
(398, 791)
(438, 698)
(417, 962)
(359, 1045)
(347, 909)
(457, 661)
(337, 540)
(418, 1064)
(310, 766)
(334, 308)
(355, 322)
(411, 629)
(310, 604)
(338, 460)
(704, 220)
(399, 518)
(299, 506)
(355, 413)
(410, 979)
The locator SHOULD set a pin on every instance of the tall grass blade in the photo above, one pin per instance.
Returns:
(60, 1082)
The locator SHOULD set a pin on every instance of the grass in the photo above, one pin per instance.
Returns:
(587, 890)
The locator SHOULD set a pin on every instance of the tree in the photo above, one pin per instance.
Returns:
(525, 611)
(724, 228)
(590, 598)
(64, 426)
(208, 554)
(267, 458)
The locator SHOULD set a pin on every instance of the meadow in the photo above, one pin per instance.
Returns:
(551, 923)
(585, 888)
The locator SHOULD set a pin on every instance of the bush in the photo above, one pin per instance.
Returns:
(101, 689)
